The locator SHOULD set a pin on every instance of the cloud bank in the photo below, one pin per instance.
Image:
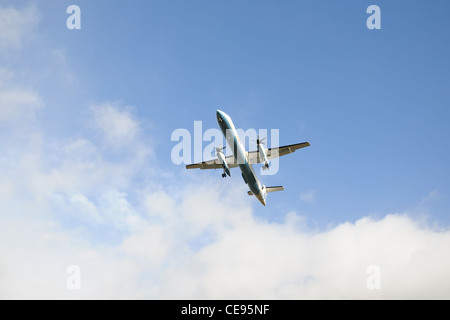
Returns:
(70, 204)
(98, 200)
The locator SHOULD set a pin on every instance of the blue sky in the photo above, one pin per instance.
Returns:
(96, 107)
(371, 102)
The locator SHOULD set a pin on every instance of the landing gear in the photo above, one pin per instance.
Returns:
(224, 175)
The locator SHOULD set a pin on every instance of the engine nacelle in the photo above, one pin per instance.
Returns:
(263, 156)
(222, 160)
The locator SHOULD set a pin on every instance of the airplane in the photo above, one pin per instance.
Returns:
(244, 159)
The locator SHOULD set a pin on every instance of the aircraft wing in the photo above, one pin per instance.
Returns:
(253, 157)
(272, 153)
(213, 164)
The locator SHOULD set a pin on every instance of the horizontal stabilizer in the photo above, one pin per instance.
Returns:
(269, 189)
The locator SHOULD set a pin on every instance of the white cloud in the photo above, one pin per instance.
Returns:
(429, 199)
(117, 126)
(16, 26)
(17, 104)
(308, 197)
(270, 261)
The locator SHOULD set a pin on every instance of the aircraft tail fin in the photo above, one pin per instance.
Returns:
(269, 189)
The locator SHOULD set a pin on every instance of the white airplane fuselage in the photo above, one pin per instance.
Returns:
(240, 156)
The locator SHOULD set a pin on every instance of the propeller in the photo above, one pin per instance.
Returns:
(219, 149)
(258, 140)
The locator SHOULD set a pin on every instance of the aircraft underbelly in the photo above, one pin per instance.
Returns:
(249, 178)
(240, 156)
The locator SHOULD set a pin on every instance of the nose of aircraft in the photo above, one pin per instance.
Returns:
(219, 113)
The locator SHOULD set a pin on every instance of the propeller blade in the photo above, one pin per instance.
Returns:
(220, 148)
(258, 140)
